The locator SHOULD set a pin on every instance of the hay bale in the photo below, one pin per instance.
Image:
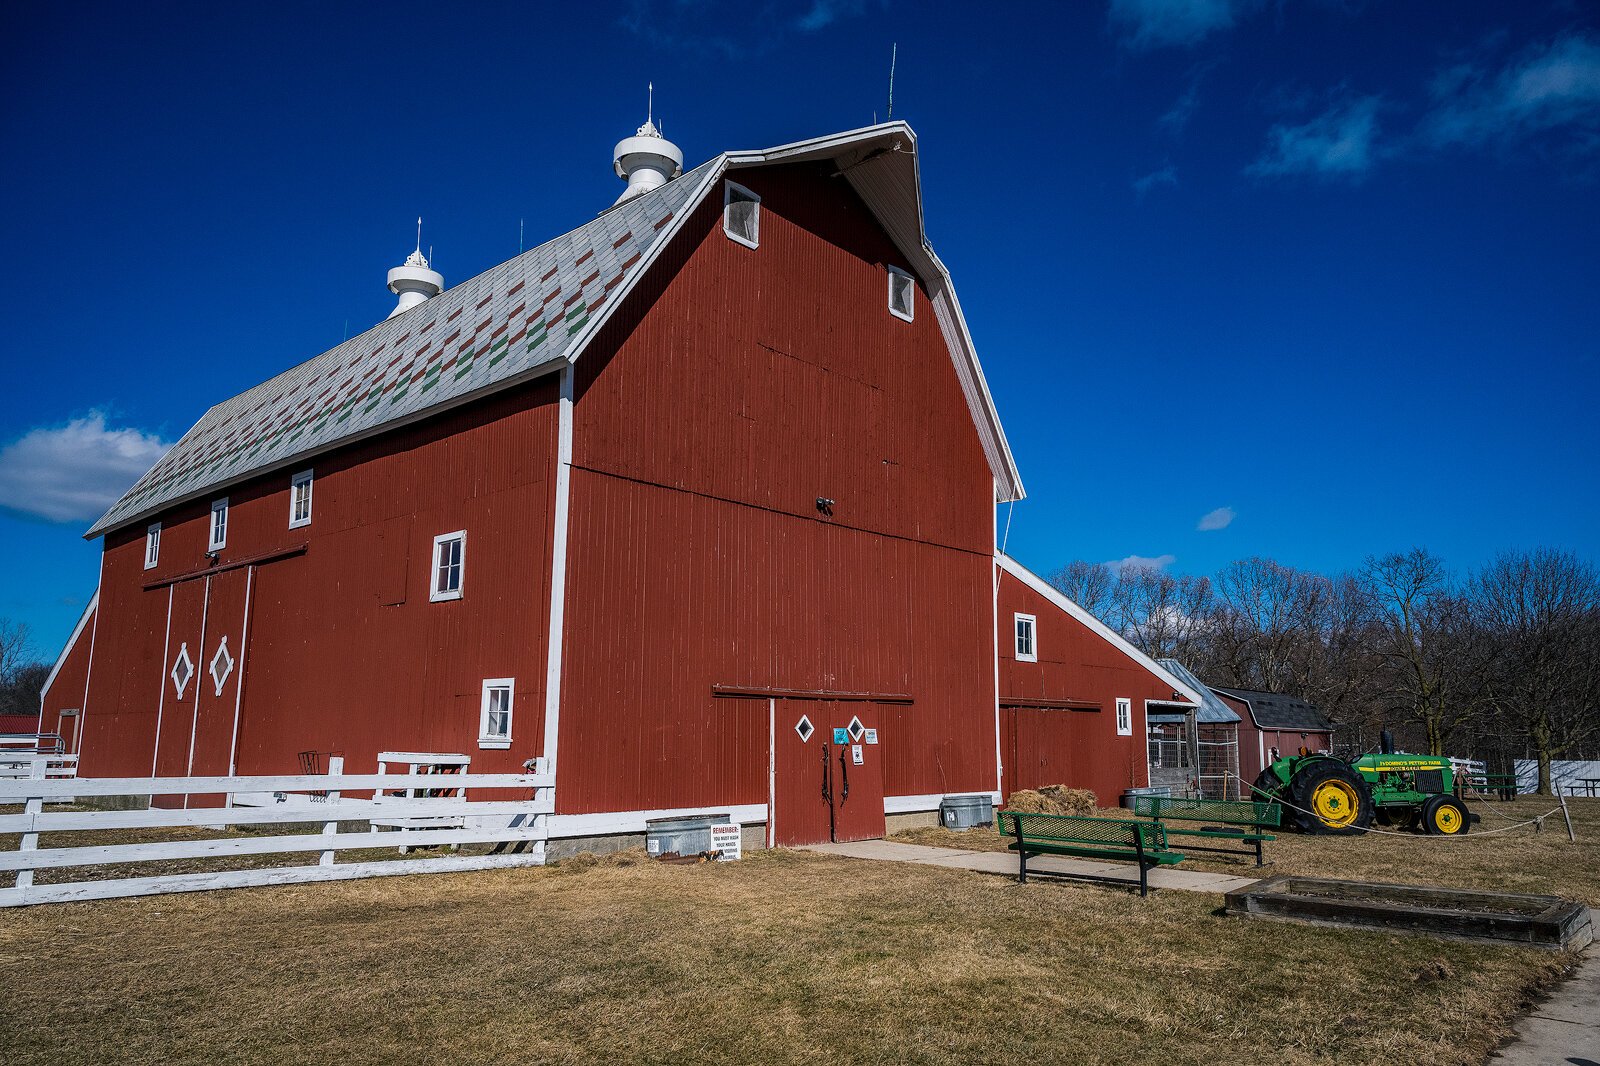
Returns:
(1052, 799)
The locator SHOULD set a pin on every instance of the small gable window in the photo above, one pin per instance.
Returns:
(219, 525)
(152, 545)
(741, 215)
(449, 565)
(300, 500)
(494, 716)
(902, 294)
(1026, 651)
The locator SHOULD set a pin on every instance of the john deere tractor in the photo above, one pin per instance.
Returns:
(1324, 795)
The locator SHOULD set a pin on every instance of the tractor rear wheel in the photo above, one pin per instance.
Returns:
(1337, 799)
(1445, 816)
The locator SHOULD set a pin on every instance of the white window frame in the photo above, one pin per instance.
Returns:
(911, 286)
(1124, 717)
(490, 685)
(434, 593)
(152, 545)
(304, 478)
(1032, 654)
(728, 190)
(218, 507)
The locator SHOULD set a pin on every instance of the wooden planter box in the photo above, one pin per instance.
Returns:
(1458, 914)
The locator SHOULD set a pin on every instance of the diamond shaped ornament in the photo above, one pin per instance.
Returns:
(221, 665)
(804, 728)
(856, 729)
(182, 670)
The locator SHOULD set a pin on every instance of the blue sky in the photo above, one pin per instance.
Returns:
(1318, 276)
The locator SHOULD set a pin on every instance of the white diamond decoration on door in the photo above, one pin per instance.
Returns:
(182, 670)
(804, 728)
(856, 729)
(221, 665)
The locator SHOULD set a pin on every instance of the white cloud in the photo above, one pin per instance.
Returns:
(1554, 84)
(1143, 562)
(824, 13)
(1166, 176)
(73, 473)
(1221, 518)
(1181, 23)
(1337, 143)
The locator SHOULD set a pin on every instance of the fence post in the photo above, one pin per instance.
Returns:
(335, 768)
(30, 841)
(1568, 816)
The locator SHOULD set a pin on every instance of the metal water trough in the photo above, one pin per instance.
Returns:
(1547, 922)
(685, 836)
(966, 812)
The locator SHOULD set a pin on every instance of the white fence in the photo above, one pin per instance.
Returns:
(1573, 777)
(20, 767)
(450, 820)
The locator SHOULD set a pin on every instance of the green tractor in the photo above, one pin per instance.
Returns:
(1324, 795)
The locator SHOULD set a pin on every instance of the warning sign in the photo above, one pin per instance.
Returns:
(728, 840)
(872, 736)
(855, 754)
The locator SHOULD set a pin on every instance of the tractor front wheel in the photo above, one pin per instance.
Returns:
(1445, 816)
(1267, 787)
(1332, 799)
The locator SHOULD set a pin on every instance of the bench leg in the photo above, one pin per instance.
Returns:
(1144, 880)
(1022, 867)
(1258, 853)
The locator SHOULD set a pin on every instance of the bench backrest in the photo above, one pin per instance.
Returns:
(1227, 812)
(1082, 829)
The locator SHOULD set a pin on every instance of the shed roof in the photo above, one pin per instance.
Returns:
(1211, 710)
(530, 315)
(1273, 710)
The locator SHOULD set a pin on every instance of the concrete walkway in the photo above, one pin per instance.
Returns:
(1004, 862)
(1564, 1030)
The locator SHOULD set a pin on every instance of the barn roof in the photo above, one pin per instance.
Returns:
(1211, 710)
(1273, 710)
(530, 315)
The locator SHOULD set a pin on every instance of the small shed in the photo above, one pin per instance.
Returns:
(1272, 724)
(1214, 752)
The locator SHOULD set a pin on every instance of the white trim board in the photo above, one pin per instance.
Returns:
(930, 802)
(1105, 632)
(586, 825)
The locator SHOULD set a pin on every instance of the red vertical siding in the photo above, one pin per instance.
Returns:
(65, 692)
(698, 556)
(344, 652)
(1076, 666)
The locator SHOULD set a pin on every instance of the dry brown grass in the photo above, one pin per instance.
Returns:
(1520, 860)
(784, 957)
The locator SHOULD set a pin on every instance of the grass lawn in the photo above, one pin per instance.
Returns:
(1518, 860)
(783, 957)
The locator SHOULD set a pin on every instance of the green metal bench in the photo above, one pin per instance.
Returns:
(1084, 837)
(1243, 821)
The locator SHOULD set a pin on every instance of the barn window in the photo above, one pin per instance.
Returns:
(449, 565)
(219, 525)
(152, 545)
(741, 215)
(494, 717)
(300, 500)
(182, 670)
(902, 294)
(1124, 718)
(1026, 650)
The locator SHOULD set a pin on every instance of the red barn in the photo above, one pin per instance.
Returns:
(666, 501)
(1272, 724)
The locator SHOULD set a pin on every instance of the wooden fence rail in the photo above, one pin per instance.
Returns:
(429, 821)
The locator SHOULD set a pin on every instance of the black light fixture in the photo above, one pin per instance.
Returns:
(825, 506)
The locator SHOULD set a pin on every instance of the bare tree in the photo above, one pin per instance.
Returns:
(1089, 585)
(1538, 614)
(21, 676)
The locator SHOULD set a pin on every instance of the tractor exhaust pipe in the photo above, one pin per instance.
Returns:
(1386, 743)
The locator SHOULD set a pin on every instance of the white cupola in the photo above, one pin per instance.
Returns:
(414, 281)
(647, 160)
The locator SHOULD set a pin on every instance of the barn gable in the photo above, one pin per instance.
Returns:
(525, 317)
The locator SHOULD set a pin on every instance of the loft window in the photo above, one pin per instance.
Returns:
(1124, 718)
(219, 525)
(741, 215)
(902, 294)
(1026, 651)
(152, 545)
(449, 565)
(300, 500)
(494, 717)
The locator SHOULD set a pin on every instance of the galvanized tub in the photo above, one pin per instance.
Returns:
(966, 812)
(686, 836)
(1129, 794)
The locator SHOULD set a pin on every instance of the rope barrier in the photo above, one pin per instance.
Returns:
(1537, 819)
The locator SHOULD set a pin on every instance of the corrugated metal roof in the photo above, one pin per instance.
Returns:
(482, 333)
(525, 314)
(1211, 709)
(1273, 710)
